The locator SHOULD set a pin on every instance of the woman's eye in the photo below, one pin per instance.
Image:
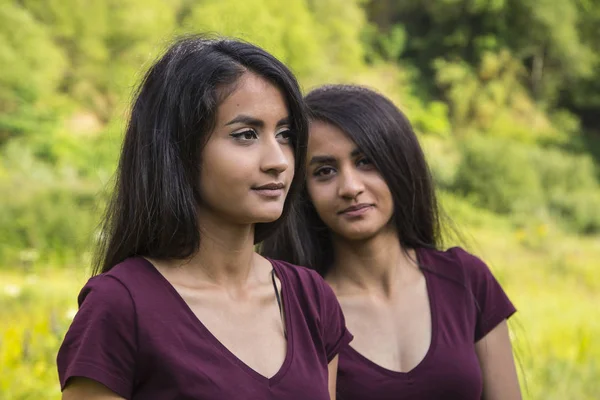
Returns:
(365, 164)
(285, 136)
(324, 172)
(363, 161)
(245, 135)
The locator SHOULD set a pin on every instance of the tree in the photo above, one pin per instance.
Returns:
(32, 67)
(545, 35)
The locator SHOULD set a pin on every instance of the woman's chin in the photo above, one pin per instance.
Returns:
(357, 235)
(267, 216)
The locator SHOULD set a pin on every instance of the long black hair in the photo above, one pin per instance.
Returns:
(153, 209)
(385, 136)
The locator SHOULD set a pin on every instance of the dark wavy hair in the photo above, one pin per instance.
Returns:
(385, 136)
(153, 209)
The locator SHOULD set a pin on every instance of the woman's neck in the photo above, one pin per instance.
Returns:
(225, 256)
(377, 266)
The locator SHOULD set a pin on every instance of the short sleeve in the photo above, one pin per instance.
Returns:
(492, 303)
(335, 333)
(101, 341)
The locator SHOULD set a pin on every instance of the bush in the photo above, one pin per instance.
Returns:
(49, 213)
(570, 187)
(511, 178)
(579, 210)
(499, 175)
(562, 173)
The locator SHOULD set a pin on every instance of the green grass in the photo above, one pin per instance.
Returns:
(35, 311)
(552, 277)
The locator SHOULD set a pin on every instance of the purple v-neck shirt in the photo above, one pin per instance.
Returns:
(137, 336)
(466, 303)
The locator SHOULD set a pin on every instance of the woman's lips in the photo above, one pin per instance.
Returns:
(356, 210)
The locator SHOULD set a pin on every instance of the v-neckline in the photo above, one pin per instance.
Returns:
(432, 342)
(220, 346)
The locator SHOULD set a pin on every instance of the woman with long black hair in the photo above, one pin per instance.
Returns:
(428, 323)
(181, 306)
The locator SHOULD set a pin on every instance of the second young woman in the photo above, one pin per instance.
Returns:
(428, 323)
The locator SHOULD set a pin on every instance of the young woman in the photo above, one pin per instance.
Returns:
(183, 308)
(428, 324)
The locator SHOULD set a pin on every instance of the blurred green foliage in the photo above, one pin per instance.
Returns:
(499, 175)
(504, 95)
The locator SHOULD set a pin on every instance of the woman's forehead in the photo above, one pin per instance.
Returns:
(326, 137)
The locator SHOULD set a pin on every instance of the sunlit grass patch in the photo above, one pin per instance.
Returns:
(35, 311)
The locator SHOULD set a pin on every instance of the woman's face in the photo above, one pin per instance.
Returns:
(248, 161)
(347, 191)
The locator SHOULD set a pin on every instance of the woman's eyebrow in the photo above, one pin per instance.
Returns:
(321, 160)
(356, 152)
(283, 121)
(248, 120)
(255, 122)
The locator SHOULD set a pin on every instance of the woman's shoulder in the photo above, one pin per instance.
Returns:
(298, 271)
(101, 343)
(454, 263)
(318, 303)
(132, 268)
(298, 275)
(120, 282)
(304, 281)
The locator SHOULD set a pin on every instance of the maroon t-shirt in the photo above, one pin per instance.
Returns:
(137, 336)
(466, 303)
